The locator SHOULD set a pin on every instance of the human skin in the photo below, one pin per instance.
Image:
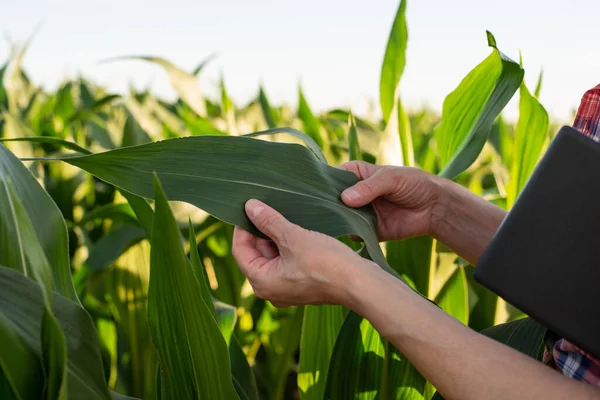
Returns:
(298, 267)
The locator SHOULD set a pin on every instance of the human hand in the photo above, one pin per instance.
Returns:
(403, 198)
(297, 266)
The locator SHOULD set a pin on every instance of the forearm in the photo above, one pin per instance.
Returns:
(459, 362)
(463, 221)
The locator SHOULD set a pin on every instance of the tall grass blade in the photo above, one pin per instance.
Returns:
(470, 110)
(393, 62)
(360, 369)
(184, 83)
(22, 303)
(193, 355)
(46, 219)
(312, 126)
(19, 364)
(269, 113)
(530, 135)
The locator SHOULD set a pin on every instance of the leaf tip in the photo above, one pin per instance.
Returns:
(520, 59)
(491, 40)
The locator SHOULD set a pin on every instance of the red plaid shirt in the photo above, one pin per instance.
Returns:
(565, 356)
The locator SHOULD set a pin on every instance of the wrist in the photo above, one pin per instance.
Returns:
(464, 221)
(356, 280)
(365, 283)
(442, 204)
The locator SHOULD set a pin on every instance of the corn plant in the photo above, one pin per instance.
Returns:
(116, 215)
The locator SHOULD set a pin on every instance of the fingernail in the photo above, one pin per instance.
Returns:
(254, 207)
(257, 210)
(350, 194)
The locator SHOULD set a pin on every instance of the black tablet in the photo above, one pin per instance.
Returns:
(545, 257)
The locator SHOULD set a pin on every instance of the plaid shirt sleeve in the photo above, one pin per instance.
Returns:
(565, 356)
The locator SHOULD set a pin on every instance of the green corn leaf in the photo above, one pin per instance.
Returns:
(64, 105)
(110, 247)
(27, 251)
(483, 314)
(119, 396)
(530, 135)
(51, 140)
(133, 134)
(502, 140)
(224, 314)
(3, 98)
(359, 368)
(228, 109)
(243, 377)
(184, 83)
(393, 62)
(143, 211)
(470, 110)
(226, 318)
(219, 174)
(412, 257)
(125, 287)
(282, 345)
(200, 126)
(204, 63)
(193, 355)
(142, 112)
(353, 144)
(320, 330)
(269, 113)
(121, 212)
(453, 297)
(200, 272)
(19, 364)
(408, 152)
(310, 143)
(524, 335)
(22, 303)
(46, 218)
(538, 87)
(172, 125)
(343, 115)
(218, 249)
(312, 127)
(93, 108)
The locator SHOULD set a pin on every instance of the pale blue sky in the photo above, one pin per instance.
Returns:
(334, 47)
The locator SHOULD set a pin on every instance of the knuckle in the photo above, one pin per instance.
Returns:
(388, 177)
(292, 236)
(270, 220)
(285, 238)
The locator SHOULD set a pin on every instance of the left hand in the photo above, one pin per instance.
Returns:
(298, 266)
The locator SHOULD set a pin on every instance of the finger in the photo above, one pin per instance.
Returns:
(245, 250)
(270, 222)
(364, 192)
(280, 304)
(361, 169)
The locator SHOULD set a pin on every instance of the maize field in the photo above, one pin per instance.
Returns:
(116, 219)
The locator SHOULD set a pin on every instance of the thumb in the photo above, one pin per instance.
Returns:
(364, 192)
(269, 221)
